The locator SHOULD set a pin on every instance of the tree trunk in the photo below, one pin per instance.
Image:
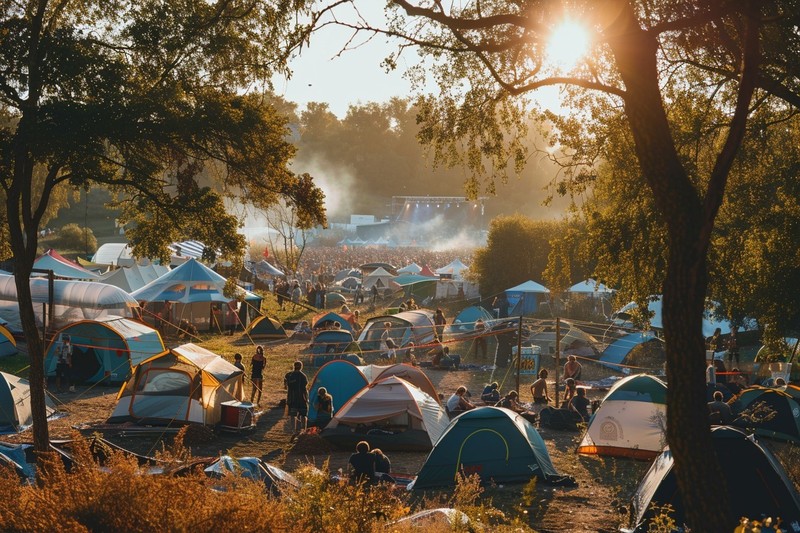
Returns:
(700, 478)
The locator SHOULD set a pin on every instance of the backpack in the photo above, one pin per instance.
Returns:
(553, 418)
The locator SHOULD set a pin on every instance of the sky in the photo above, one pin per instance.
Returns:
(355, 76)
(322, 74)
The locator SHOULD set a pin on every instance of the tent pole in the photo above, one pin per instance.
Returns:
(519, 351)
(558, 355)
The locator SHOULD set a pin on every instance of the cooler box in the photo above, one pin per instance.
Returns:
(237, 415)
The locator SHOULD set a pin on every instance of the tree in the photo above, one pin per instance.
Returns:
(290, 241)
(516, 251)
(489, 55)
(142, 98)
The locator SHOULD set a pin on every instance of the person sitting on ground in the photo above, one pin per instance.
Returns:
(324, 406)
(362, 464)
(539, 389)
(383, 466)
(437, 352)
(572, 368)
(490, 394)
(570, 388)
(457, 403)
(580, 404)
(410, 356)
(391, 350)
(511, 401)
(719, 412)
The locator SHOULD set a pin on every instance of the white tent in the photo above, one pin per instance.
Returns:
(454, 270)
(113, 253)
(72, 300)
(590, 287)
(413, 268)
(392, 402)
(15, 404)
(134, 277)
(631, 421)
(379, 277)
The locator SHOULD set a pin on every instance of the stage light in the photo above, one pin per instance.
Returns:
(428, 205)
(437, 206)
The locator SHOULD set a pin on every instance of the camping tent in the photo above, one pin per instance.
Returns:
(710, 321)
(454, 270)
(757, 483)
(526, 298)
(134, 277)
(412, 374)
(276, 481)
(390, 414)
(72, 301)
(464, 322)
(590, 287)
(342, 380)
(379, 278)
(15, 404)
(616, 352)
(784, 424)
(183, 384)
(412, 268)
(631, 421)
(105, 349)
(8, 345)
(113, 253)
(326, 320)
(264, 268)
(265, 327)
(408, 326)
(197, 291)
(495, 443)
(62, 267)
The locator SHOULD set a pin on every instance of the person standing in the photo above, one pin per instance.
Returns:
(733, 346)
(297, 395)
(257, 373)
(64, 365)
(480, 339)
(374, 292)
(237, 362)
(440, 321)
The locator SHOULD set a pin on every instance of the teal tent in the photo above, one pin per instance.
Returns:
(783, 422)
(465, 320)
(525, 298)
(341, 379)
(105, 349)
(757, 484)
(264, 327)
(495, 443)
(197, 292)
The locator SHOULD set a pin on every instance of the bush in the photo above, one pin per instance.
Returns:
(74, 237)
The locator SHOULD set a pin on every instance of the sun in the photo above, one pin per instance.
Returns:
(568, 43)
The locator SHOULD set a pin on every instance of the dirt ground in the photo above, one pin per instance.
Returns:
(603, 484)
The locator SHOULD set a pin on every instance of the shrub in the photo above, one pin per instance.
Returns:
(74, 237)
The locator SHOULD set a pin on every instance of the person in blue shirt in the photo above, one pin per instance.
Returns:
(490, 394)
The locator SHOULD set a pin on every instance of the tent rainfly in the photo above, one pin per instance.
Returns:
(179, 385)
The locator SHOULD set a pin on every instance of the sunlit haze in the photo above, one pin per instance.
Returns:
(568, 43)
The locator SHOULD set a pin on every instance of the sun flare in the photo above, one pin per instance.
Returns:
(568, 43)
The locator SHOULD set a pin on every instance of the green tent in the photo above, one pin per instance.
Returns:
(495, 443)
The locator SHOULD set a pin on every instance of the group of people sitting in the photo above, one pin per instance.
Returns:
(369, 466)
